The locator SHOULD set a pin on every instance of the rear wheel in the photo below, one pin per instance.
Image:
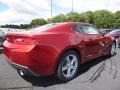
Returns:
(68, 66)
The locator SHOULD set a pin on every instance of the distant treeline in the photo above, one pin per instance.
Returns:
(100, 18)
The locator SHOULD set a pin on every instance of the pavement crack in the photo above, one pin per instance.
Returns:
(111, 66)
(116, 71)
(13, 88)
(100, 69)
(97, 73)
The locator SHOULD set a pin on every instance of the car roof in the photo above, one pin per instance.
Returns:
(82, 23)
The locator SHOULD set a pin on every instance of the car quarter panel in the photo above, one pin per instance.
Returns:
(51, 47)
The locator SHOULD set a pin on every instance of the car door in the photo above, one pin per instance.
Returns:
(92, 40)
(93, 43)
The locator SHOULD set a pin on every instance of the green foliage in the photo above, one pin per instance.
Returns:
(21, 26)
(100, 18)
(88, 17)
(24, 26)
(73, 17)
(59, 18)
(103, 19)
(10, 26)
(38, 22)
(116, 23)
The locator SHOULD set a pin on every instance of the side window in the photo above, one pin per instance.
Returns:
(90, 30)
(86, 29)
(79, 28)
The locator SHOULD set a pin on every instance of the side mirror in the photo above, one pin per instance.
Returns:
(102, 33)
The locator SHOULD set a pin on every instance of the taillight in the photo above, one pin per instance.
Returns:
(25, 40)
(22, 40)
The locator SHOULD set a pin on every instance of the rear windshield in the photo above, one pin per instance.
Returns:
(45, 27)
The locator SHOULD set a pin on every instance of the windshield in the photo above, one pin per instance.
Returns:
(44, 27)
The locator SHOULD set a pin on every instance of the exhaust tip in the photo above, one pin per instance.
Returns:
(21, 72)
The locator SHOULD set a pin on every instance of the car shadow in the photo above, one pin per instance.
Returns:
(47, 81)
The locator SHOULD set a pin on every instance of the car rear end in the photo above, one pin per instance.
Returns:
(17, 50)
(33, 54)
(25, 53)
(34, 51)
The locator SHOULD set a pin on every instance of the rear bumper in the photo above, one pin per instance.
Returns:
(31, 58)
(25, 69)
(19, 54)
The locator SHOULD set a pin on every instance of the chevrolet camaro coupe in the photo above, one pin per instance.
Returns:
(56, 49)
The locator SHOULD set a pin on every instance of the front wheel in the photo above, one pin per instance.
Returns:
(1, 41)
(68, 66)
(113, 49)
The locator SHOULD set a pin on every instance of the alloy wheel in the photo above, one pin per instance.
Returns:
(113, 49)
(69, 66)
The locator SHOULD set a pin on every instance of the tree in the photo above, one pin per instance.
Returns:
(103, 19)
(49, 20)
(100, 18)
(89, 17)
(10, 26)
(24, 26)
(73, 17)
(116, 23)
(59, 18)
(38, 22)
(83, 18)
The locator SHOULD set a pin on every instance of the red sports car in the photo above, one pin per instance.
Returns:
(57, 48)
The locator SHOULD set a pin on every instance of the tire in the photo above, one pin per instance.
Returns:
(119, 45)
(119, 42)
(1, 42)
(113, 49)
(68, 66)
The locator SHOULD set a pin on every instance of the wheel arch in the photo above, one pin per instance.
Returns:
(64, 51)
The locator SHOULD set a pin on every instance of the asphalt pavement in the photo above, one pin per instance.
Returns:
(100, 74)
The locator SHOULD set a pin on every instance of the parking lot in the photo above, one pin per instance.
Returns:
(100, 74)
